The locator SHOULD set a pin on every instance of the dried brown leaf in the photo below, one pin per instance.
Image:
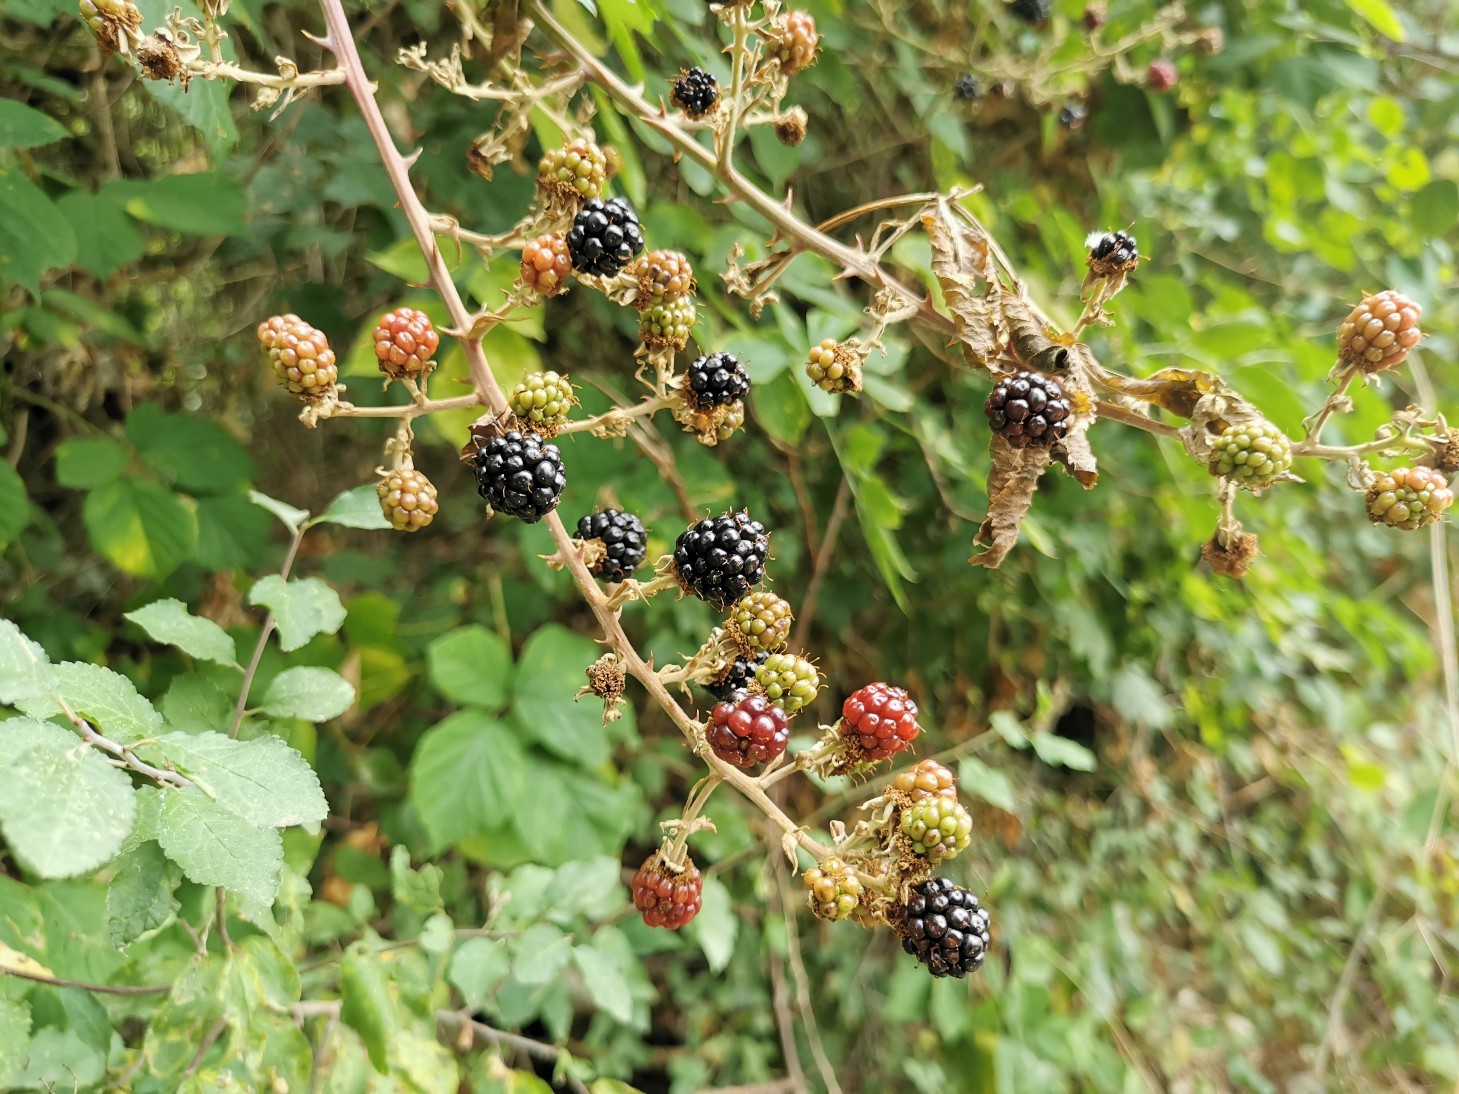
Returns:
(962, 264)
(1011, 485)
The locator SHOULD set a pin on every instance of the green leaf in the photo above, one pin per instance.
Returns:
(198, 455)
(14, 1037)
(106, 238)
(716, 926)
(107, 699)
(34, 236)
(466, 777)
(291, 517)
(366, 1005)
(990, 784)
(170, 622)
(140, 899)
(477, 967)
(314, 694)
(65, 811)
(23, 126)
(781, 408)
(19, 735)
(60, 1060)
(232, 533)
(471, 665)
(540, 953)
(14, 502)
(548, 676)
(302, 608)
(193, 1007)
(1380, 16)
(1062, 752)
(264, 781)
(357, 508)
(605, 981)
(207, 203)
(200, 701)
(85, 463)
(143, 528)
(25, 670)
(216, 847)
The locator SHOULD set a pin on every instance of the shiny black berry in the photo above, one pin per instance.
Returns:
(625, 544)
(1114, 248)
(722, 558)
(736, 678)
(716, 379)
(967, 87)
(519, 475)
(696, 93)
(1028, 408)
(944, 928)
(604, 237)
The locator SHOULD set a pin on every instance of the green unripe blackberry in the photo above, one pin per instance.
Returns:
(760, 622)
(667, 324)
(833, 889)
(938, 827)
(834, 367)
(731, 423)
(579, 169)
(788, 681)
(1252, 455)
(543, 401)
(1409, 497)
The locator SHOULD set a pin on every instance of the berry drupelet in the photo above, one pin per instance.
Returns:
(1028, 408)
(695, 92)
(749, 731)
(721, 558)
(519, 475)
(716, 379)
(944, 928)
(604, 237)
(625, 543)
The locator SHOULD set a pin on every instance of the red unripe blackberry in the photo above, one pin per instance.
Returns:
(546, 264)
(300, 356)
(519, 475)
(943, 927)
(695, 92)
(664, 896)
(1380, 331)
(407, 499)
(604, 237)
(662, 276)
(751, 731)
(880, 720)
(793, 41)
(624, 542)
(1028, 408)
(716, 379)
(405, 343)
(721, 558)
(1161, 76)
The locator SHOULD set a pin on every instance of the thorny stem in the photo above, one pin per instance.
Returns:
(618, 416)
(341, 42)
(726, 141)
(408, 411)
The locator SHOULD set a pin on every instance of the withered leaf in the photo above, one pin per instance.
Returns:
(961, 261)
(1011, 485)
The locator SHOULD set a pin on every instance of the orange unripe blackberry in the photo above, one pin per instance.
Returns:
(405, 343)
(407, 499)
(300, 356)
(1380, 331)
(1409, 497)
(546, 264)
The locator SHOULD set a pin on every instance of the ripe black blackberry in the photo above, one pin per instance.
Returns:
(722, 558)
(519, 475)
(696, 92)
(716, 379)
(1114, 248)
(1031, 11)
(944, 928)
(732, 684)
(1028, 408)
(625, 543)
(967, 87)
(604, 237)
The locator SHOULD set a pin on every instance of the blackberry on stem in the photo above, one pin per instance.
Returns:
(943, 926)
(735, 679)
(721, 558)
(604, 237)
(716, 379)
(625, 543)
(1028, 408)
(696, 92)
(519, 475)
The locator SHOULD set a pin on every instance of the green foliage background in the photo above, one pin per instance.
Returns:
(1212, 834)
